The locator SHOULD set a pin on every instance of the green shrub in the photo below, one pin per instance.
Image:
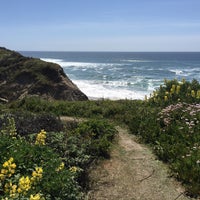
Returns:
(89, 141)
(174, 91)
(98, 135)
(179, 140)
(52, 184)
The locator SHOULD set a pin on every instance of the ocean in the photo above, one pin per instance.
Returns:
(123, 75)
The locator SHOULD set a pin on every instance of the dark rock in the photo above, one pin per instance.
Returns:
(23, 76)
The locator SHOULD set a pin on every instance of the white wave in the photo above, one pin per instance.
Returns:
(124, 83)
(185, 72)
(117, 83)
(176, 71)
(96, 91)
(65, 64)
(192, 70)
(135, 60)
(69, 64)
(53, 60)
(154, 84)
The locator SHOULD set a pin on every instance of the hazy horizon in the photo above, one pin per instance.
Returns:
(96, 51)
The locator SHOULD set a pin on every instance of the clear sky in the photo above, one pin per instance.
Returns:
(100, 25)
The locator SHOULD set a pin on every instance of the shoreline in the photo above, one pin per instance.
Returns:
(110, 99)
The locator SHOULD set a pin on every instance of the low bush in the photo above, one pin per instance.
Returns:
(98, 135)
(179, 142)
(174, 91)
(31, 170)
(50, 165)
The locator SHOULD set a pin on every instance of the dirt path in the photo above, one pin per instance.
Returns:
(132, 173)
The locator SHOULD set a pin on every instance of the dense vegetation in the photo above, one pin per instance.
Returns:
(169, 120)
(50, 165)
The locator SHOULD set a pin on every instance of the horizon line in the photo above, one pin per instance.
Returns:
(97, 51)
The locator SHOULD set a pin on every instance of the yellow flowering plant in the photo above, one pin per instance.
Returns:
(33, 172)
(176, 91)
(9, 127)
(36, 167)
(61, 167)
(24, 185)
(41, 137)
(37, 174)
(8, 169)
(73, 169)
(15, 186)
(35, 197)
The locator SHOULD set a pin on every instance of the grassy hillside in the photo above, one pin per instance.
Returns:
(23, 76)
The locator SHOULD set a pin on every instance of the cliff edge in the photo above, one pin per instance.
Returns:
(23, 76)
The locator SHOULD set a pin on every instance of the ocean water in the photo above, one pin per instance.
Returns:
(123, 75)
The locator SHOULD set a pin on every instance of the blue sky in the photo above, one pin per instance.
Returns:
(100, 25)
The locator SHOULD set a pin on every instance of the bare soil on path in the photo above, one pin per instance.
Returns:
(132, 173)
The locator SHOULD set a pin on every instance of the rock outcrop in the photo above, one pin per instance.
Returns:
(21, 76)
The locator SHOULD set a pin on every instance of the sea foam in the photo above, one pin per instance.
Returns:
(97, 91)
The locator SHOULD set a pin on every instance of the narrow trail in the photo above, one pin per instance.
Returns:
(132, 173)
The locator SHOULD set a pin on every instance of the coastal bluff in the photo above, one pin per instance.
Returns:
(25, 76)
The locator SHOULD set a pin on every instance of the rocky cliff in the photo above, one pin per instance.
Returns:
(21, 76)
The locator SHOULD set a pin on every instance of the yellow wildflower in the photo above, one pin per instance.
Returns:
(171, 91)
(193, 93)
(9, 162)
(173, 87)
(8, 168)
(7, 187)
(40, 139)
(19, 190)
(13, 131)
(11, 189)
(24, 184)
(4, 171)
(61, 167)
(178, 89)
(198, 94)
(165, 98)
(73, 169)
(5, 164)
(37, 174)
(2, 176)
(35, 197)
